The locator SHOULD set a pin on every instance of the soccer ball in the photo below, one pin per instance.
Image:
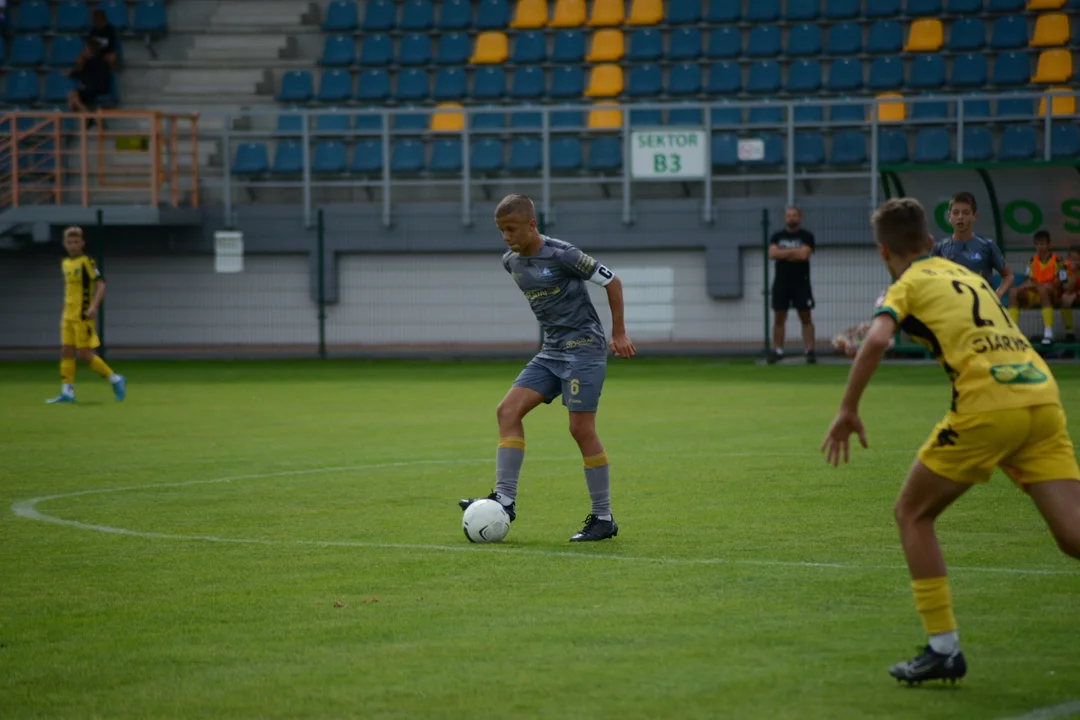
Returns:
(485, 521)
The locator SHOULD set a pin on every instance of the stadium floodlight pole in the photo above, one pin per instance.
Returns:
(320, 268)
(765, 283)
(101, 268)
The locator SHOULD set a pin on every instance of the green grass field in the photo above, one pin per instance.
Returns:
(281, 539)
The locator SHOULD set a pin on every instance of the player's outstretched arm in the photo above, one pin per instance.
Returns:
(99, 295)
(620, 344)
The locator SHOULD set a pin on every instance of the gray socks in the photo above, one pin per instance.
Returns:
(508, 460)
(598, 480)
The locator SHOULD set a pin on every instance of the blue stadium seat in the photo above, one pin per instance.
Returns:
(455, 14)
(526, 155)
(725, 150)
(847, 113)
(809, 148)
(844, 74)
(492, 15)
(486, 156)
(683, 116)
(844, 39)
(1017, 142)
(27, 51)
(489, 83)
(64, 50)
(724, 115)
(296, 87)
(57, 87)
(335, 86)
(411, 121)
(1011, 68)
(445, 156)
(338, 51)
(367, 158)
(376, 50)
(763, 11)
(288, 158)
(922, 8)
(646, 44)
(72, 16)
(723, 11)
(1064, 141)
(527, 83)
(764, 40)
(368, 122)
(999, 6)
(764, 77)
(968, 71)
(117, 12)
(724, 78)
(684, 79)
(567, 119)
(567, 82)
(565, 154)
(149, 17)
(807, 112)
(379, 16)
(882, 8)
(412, 85)
(932, 145)
(341, 17)
(492, 119)
(1015, 107)
(684, 44)
(407, 156)
(976, 109)
(289, 124)
(927, 109)
(251, 159)
(417, 16)
(885, 37)
(453, 49)
(978, 144)
(804, 76)
(1009, 32)
(774, 150)
(329, 156)
(523, 118)
(605, 155)
(725, 43)
(927, 72)
(966, 34)
(414, 49)
(842, 9)
(569, 47)
(645, 80)
(3, 50)
(802, 10)
(529, 48)
(804, 40)
(373, 86)
(848, 148)
(31, 16)
(765, 116)
(963, 7)
(683, 12)
(647, 118)
(450, 84)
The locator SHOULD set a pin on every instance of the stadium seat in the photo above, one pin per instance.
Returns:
(975, 109)
(373, 86)
(529, 48)
(890, 108)
(450, 84)
(288, 158)
(1011, 68)
(605, 115)
(882, 8)
(844, 74)
(606, 13)
(492, 15)
(291, 123)
(378, 15)
(368, 122)
(645, 45)
(679, 116)
(927, 72)
(117, 12)
(802, 10)
(489, 83)
(57, 87)
(3, 50)
(725, 150)
(415, 49)
(417, 16)
(492, 48)
(684, 79)
(605, 154)
(1061, 105)
(296, 87)
(774, 150)
(932, 145)
(966, 34)
(455, 14)
(922, 8)
(725, 115)
(927, 109)
(761, 11)
(494, 119)
(804, 76)
(809, 148)
(64, 50)
(724, 78)
(567, 82)
(886, 73)
(412, 85)
(410, 121)
(765, 115)
(606, 46)
(925, 35)
(407, 156)
(341, 17)
(526, 83)
(332, 123)
(526, 155)
(605, 81)
(149, 17)
(978, 144)
(522, 117)
(645, 80)
(367, 158)
(646, 12)
(1064, 141)
(683, 12)
(763, 77)
(329, 156)
(376, 50)
(848, 148)
(251, 159)
(445, 156)
(1036, 5)
(1008, 33)
(847, 113)
(968, 71)
(453, 49)
(763, 42)
(1051, 30)
(486, 156)
(448, 117)
(963, 7)
(530, 15)
(568, 14)
(27, 51)
(723, 11)
(565, 154)
(844, 39)
(1017, 142)
(567, 119)
(31, 16)
(335, 86)
(648, 118)
(338, 51)
(725, 43)
(885, 37)
(842, 9)
(809, 113)
(804, 40)
(1016, 107)
(684, 44)
(72, 16)
(569, 47)
(1054, 66)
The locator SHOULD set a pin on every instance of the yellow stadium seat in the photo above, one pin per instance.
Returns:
(605, 81)
(606, 13)
(1045, 4)
(890, 108)
(491, 48)
(606, 46)
(646, 12)
(1060, 105)
(605, 118)
(568, 14)
(530, 15)
(925, 35)
(1055, 66)
(447, 117)
(1051, 30)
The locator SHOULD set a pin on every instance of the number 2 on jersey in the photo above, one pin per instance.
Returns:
(980, 321)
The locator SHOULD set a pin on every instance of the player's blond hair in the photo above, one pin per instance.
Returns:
(73, 231)
(900, 225)
(516, 203)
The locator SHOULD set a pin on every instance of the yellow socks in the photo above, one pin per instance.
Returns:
(934, 603)
(1014, 313)
(1048, 317)
(1066, 317)
(98, 365)
(67, 370)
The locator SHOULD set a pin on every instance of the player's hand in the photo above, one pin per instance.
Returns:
(836, 439)
(621, 346)
(91, 313)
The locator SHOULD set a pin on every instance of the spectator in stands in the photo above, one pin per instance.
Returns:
(1071, 290)
(791, 249)
(1045, 282)
(103, 39)
(978, 254)
(93, 78)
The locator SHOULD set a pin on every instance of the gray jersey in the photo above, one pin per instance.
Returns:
(553, 281)
(978, 254)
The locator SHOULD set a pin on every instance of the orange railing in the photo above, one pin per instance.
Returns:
(129, 157)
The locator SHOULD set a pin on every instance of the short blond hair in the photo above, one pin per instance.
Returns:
(900, 225)
(73, 231)
(516, 203)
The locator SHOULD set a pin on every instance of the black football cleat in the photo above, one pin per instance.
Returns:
(510, 509)
(773, 358)
(811, 358)
(596, 529)
(930, 665)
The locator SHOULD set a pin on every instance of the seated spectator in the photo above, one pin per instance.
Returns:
(93, 78)
(1046, 277)
(1071, 289)
(103, 38)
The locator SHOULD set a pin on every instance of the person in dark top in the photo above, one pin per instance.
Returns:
(978, 254)
(103, 39)
(93, 78)
(791, 249)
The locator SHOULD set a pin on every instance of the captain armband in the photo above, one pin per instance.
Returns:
(602, 276)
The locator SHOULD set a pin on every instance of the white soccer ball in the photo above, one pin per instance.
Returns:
(485, 521)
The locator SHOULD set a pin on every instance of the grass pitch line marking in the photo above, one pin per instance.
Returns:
(1052, 712)
(27, 509)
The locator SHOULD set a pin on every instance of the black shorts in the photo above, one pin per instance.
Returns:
(792, 294)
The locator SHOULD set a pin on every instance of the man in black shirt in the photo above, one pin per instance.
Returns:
(791, 249)
(93, 78)
(102, 38)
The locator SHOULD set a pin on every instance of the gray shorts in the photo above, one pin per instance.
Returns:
(579, 382)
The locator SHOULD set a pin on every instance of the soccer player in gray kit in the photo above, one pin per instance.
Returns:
(572, 361)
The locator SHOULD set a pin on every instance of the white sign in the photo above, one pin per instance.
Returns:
(751, 150)
(668, 154)
(228, 251)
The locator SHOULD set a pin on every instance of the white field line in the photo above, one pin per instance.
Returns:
(1069, 709)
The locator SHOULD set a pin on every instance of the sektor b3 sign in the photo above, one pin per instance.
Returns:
(668, 154)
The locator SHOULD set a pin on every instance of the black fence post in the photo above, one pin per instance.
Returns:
(765, 280)
(321, 270)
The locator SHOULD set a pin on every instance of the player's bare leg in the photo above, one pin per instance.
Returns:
(779, 322)
(923, 498)
(599, 525)
(1058, 502)
(67, 376)
(808, 335)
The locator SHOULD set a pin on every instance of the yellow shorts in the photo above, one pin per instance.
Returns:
(1029, 298)
(1030, 444)
(79, 333)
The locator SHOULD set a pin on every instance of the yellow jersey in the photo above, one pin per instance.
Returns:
(952, 312)
(80, 281)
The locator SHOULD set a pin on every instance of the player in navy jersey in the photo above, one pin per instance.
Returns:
(572, 361)
(977, 253)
